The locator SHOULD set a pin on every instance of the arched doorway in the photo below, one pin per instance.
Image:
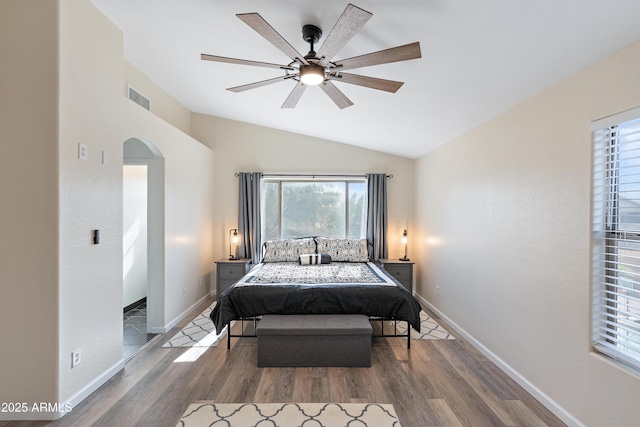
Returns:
(143, 229)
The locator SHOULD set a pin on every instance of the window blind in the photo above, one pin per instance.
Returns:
(616, 240)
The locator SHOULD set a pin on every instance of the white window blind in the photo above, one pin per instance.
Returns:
(616, 239)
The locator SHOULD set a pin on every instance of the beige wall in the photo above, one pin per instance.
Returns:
(503, 215)
(162, 104)
(62, 84)
(188, 211)
(241, 147)
(95, 111)
(28, 219)
(90, 195)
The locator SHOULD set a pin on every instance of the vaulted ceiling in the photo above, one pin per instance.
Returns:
(479, 58)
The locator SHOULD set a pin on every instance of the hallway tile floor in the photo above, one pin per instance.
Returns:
(135, 330)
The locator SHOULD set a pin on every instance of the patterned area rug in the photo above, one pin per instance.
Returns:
(429, 329)
(289, 414)
(198, 333)
(201, 333)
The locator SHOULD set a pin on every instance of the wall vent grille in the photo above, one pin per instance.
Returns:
(139, 98)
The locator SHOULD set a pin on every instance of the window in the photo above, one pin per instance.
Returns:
(616, 238)
(301, 208)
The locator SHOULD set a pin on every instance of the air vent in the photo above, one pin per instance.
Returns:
(139, 98)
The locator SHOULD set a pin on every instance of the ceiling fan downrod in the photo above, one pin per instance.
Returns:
(311, 34)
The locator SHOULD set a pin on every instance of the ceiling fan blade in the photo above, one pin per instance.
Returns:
(370, 82)
(259, 84)
(263, 28)
(336, 95)
(294, 96)
(207, 57)
(395, 54)
(349, 23)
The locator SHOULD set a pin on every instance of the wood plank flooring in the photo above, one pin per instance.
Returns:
(435, 383)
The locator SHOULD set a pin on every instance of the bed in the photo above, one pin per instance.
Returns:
(316, 276)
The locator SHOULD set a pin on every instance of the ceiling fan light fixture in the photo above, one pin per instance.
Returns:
(312, 74)
(318, 69)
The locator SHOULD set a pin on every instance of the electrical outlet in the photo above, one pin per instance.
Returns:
(184, 292)
(437, 290)
(76, 358)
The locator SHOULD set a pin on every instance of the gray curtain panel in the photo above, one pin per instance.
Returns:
(377, 215)
(249, 216)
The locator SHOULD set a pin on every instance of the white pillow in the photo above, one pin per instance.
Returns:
(314, 259)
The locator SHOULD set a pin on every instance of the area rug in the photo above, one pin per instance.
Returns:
(201, 333)
(289, 415)
(429, 329)
(198, 333)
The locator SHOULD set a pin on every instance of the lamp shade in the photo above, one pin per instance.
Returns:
(234, 239)
(404, 242)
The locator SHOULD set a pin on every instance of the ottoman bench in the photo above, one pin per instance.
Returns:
(314, 340)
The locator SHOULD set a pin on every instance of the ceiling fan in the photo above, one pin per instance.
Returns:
(319, 68)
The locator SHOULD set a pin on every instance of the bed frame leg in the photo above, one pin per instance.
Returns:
(228, 335)
(408, 336)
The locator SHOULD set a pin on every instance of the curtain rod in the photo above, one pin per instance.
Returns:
(299, 175)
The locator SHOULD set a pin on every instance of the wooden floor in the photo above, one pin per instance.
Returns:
(435, 383)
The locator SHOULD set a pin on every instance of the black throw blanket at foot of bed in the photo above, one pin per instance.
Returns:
(244, 300)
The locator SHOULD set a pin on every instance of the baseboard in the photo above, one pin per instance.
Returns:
(65, 407)
(135, 304)
(542, 397)
(166, 328)
(95, 384)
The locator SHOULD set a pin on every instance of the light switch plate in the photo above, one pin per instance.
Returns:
(82, 151)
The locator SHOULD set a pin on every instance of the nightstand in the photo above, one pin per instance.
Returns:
(229, 271)
(402, 271)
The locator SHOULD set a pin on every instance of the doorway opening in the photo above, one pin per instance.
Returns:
(143, 244)
(134, 247)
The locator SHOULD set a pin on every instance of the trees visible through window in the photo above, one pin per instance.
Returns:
(335, 208)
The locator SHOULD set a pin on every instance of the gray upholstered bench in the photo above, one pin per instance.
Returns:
(314, 340)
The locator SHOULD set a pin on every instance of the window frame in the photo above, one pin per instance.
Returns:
(611, 333)
(302, 179)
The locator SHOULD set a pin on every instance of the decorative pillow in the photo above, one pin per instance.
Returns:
(345, 250)
(312, 259)
(288, 249)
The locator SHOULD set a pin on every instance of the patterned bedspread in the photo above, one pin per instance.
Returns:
(334, 273)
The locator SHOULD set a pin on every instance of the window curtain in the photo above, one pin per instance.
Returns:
(249, 216)
(377, 215)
